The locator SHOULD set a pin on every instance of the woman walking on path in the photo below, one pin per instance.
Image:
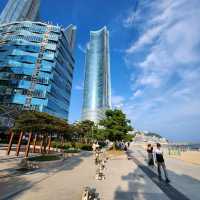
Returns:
(160, 162)
(150, 155)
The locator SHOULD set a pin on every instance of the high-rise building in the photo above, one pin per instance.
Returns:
(97, 86)
(36, 66)
(20, 10)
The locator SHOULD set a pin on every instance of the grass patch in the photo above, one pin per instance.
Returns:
(72, 150)
(44, 158)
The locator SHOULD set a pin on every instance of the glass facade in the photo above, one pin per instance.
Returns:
(20, 10)
(36, 66)
(97, 86)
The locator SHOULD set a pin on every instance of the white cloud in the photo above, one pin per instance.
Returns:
(137, 93)
(168, 69)
(184, 43)
(166, 113)
(118, 101)
(147, 38)
(150, 79)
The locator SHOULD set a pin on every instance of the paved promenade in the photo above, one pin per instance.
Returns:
(126, 179)
(185, 177)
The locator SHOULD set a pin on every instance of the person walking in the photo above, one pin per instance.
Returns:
(161, 162)
(150, 155)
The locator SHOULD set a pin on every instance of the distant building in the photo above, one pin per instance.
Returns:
(97, 86)
(20, 10)
(36, 66)
(143, 138)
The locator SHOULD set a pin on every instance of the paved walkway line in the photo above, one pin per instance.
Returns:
(169, 190)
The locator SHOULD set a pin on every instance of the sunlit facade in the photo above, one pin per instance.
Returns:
(36, 66)
(20, 10)
(97, 86)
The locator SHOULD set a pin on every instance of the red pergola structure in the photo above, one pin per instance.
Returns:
(27, 149)
(19, 144)
(10, 142)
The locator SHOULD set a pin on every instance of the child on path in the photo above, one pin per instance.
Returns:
(160, 162)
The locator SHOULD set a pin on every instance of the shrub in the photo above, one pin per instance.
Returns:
(4, 141)
(72, 150)
(86, 147)
(44, 158)
(56, 144)
(66, 146)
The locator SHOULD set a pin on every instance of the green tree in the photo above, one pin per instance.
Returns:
(116, 125)
(40, 123)
(84, 129)
(99, 133)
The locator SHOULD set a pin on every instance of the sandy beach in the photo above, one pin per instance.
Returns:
(188, 156)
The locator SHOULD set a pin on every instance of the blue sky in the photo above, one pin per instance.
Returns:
(155, 59)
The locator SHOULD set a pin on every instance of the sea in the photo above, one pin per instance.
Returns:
(191, 146)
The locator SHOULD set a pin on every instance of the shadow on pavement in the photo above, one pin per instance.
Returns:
(182, 186)
(7, 185)
(15, 184)
(138, 188)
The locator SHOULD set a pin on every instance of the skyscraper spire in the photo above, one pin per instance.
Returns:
(97, 86)
(20, 10)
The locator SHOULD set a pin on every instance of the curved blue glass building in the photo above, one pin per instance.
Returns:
(36, 66)
(20, 10)
(97, 86)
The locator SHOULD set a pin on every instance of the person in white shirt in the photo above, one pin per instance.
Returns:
(158, 154)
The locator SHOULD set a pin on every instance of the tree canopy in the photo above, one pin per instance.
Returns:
(39, 122)
(84, 128)
(116, 125)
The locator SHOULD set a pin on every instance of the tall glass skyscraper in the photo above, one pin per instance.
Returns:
(20, 10)
(36, 66)
(97, 86)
